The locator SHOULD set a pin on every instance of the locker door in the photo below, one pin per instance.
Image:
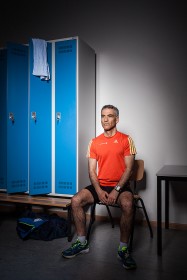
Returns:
(3, 116)
(17, 118)
(40, 129)
(65, 108)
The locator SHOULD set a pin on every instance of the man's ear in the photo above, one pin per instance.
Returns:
(117, 120)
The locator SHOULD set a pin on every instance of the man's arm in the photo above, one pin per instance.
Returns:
(129, 162)
(92, 170)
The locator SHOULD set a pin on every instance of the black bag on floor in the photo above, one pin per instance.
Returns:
(41, 226)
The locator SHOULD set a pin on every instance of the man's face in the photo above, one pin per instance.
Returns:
(109, 119)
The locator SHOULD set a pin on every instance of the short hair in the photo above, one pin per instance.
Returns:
(111, 107)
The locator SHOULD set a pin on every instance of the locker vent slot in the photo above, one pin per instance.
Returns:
(18, 183)
(19, 52)
(65, 185)
(65, 49)
(38, 185)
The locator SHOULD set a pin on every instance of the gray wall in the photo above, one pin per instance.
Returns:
(141, 68)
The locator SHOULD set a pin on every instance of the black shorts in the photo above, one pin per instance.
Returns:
(108, 189)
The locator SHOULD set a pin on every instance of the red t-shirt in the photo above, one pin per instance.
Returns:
(109, 153)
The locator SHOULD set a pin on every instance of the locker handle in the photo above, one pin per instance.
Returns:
(58, 116)
(33, 116)
(11, 117)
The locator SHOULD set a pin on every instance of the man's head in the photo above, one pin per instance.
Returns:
(109, 117)
(111, 107)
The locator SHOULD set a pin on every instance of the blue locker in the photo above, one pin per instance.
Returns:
(17, 118)
(3, 116)
(40, 128)
(66, 116)
(74, 113)
(58, 140)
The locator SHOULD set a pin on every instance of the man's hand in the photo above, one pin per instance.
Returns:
(106, 198)
(103, 196)
(112, 196)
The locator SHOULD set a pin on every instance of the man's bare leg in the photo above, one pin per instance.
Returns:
(79, 201)
(126, 203)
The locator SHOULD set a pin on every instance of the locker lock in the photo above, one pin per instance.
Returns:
(58, 116)
(11, 117)
(33, 116)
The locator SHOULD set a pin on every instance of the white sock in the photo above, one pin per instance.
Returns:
(82, 239)
(123, 244)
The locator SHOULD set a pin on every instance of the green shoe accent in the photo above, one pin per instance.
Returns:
(125, 257)
(76, 248)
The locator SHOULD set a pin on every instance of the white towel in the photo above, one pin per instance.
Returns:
(40, 65)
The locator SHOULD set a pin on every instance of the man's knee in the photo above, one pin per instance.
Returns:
(80, 199)
(75, 200)
(126, 200)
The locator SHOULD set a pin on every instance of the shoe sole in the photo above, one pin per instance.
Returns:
(129, 268)
(126, 267)
(81, 252)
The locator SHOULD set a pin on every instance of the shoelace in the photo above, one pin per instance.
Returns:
(77, 242)
(125, 252)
